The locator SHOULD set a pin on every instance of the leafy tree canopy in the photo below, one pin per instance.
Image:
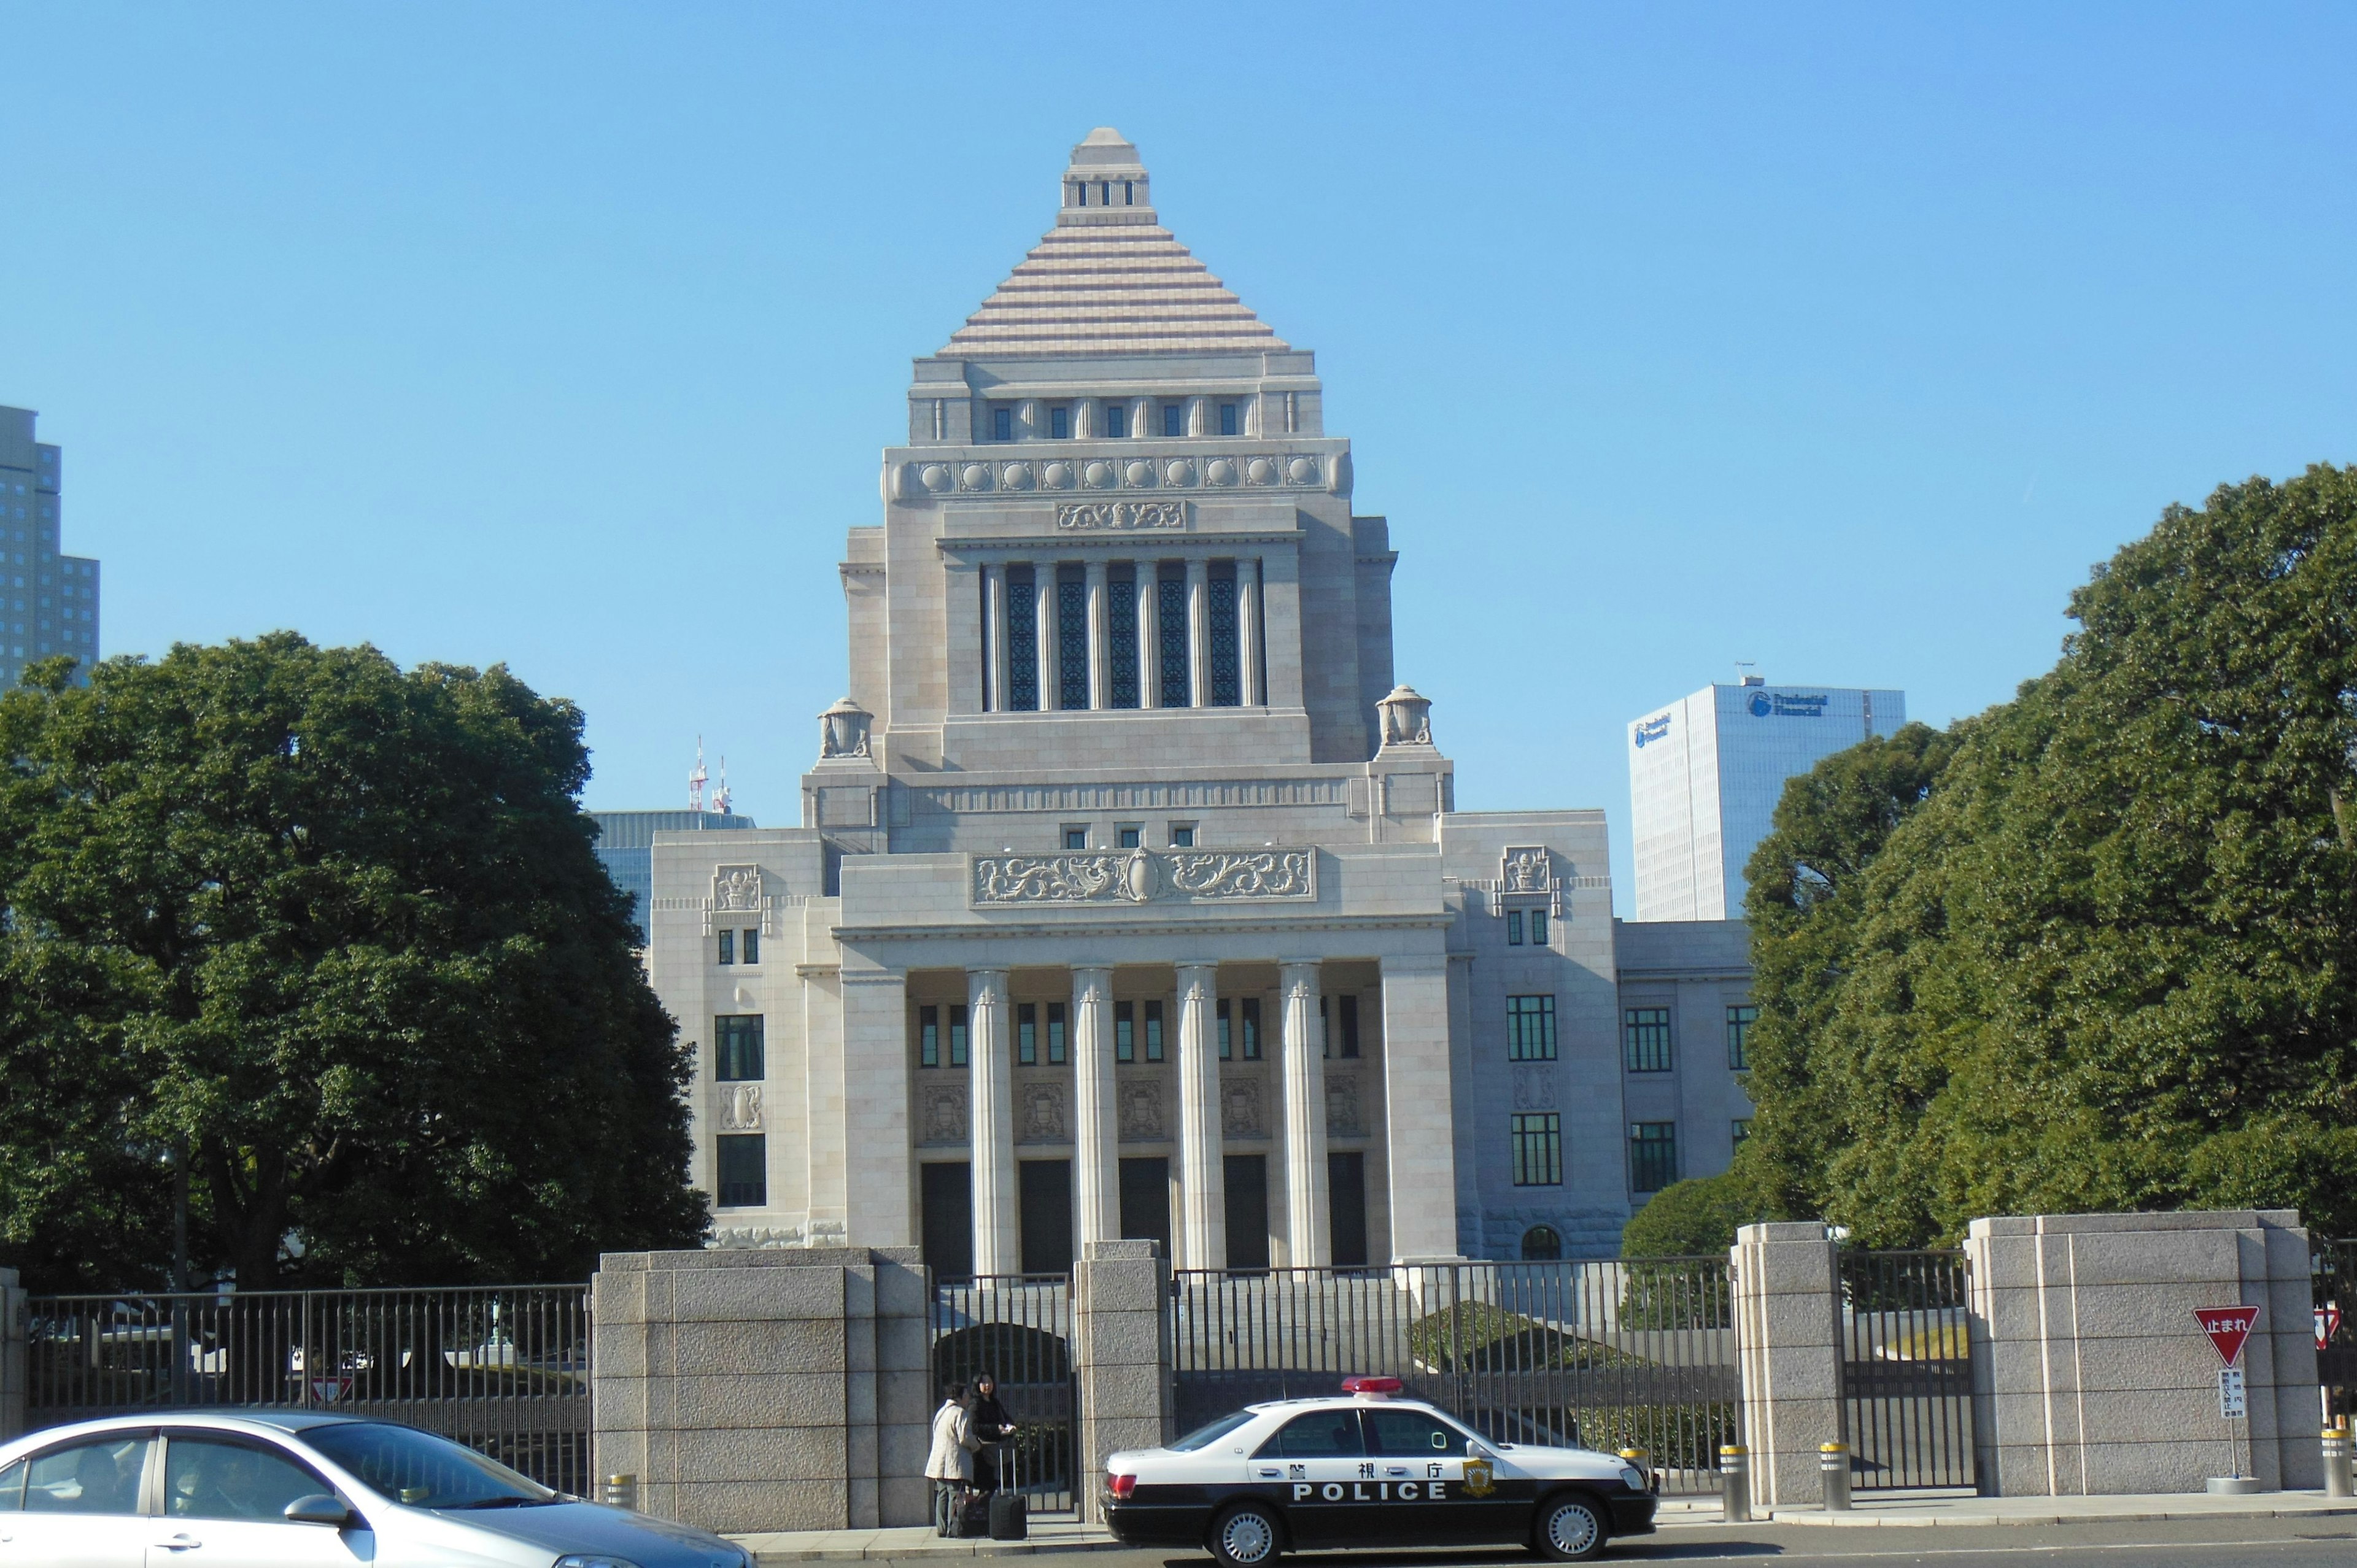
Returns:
(1698, 1216)
(2097, 947)
(334, 937)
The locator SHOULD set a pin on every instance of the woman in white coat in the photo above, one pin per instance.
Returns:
(949, 1466)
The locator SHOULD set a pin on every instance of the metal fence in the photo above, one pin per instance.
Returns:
(1612, 1354)
(2332, 1266)
(1907, 1370)
(504, 1369)
(1018, 1329)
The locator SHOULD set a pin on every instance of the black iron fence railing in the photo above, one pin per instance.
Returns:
(504, 1369)
(2333, 1269)
(1017, 1330)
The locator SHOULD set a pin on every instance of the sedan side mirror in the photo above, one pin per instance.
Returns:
(1475, 1451)
(321, 1508)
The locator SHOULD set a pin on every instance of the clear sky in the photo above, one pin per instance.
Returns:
(1837, 339)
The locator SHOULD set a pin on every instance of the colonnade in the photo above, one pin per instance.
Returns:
(1213, 627)
(1202, 1230)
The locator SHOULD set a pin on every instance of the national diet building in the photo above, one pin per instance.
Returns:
(1130, 898)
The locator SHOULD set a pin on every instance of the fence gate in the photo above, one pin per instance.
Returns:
(1019, 1329)
(1611, 1355)
(1907, 1369)
(504, 1369)
(2333, 1267)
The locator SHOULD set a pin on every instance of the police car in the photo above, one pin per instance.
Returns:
(1367, 1468)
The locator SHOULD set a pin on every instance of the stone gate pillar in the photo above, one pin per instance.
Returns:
(1787, 1293)
(1119, 1289)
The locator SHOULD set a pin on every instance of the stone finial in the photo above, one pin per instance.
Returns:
(1105, 179)
(1407, 717)
(843, 730)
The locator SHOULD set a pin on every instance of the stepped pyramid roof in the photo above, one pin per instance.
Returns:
(1109, 279)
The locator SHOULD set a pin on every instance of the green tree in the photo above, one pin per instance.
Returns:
(1697, 1217)
(333, 935)
(2109, 958)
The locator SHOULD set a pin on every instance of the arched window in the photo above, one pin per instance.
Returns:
(1542, 1245)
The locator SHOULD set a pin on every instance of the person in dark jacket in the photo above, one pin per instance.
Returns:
(992, 1425)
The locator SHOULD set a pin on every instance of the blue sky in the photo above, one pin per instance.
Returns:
(1837, 339)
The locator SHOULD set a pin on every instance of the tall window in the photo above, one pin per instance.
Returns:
(1538, 928)
(1027, 1034)
(1227, 419)
(1170, 599)
(1227, 1034)
(1645, 1039)
(929, 1036)
(1022, 641)
(1227, 666)
(1173, 420)
(752, 944)
(1121, 637)
(1154, 1031)
(1741, 1127)
(1652, 1156)
(1538, 1149)
(1071, 638)
(1056, 1046)
(1060, 423)
(1514, 927)
(744, 1170)
(728, 947)
(1124, 1031)
(1338, 1021)
(1739, 1036)
(737, 1047)
(1530, 1028)
(1116, 421)
(1002, 424)
(1249, 1008)
(957, 1035)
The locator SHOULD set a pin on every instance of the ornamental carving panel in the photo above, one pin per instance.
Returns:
(945, 1116)
(1342, 1117)
(1527, 870)
(1140, 877)
(1080, 516)
(1043, 1115)
(740, 1107)
(737, 888)
(1535, 1088)
(1141, 1113)
(1240, 1109)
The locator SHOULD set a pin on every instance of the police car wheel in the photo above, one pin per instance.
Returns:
(1244, 1538)
(1571, 1529)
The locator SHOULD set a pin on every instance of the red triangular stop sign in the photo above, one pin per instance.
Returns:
(2227, 1327)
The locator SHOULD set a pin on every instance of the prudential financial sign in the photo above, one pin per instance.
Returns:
(1785, 705)
(1653, 729)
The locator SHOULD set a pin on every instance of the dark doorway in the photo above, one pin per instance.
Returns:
(1346, 1199)
(1146, 1201)
(948, 1196)
(1247, 1184)
(1047, 1217)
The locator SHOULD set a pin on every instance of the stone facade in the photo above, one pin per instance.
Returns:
(1131, 898)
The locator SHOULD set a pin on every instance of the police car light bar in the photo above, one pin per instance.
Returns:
(1377, 1386)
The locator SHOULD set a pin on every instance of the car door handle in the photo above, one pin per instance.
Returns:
(180, 1543)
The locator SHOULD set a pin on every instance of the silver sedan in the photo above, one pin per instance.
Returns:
(262, 1490)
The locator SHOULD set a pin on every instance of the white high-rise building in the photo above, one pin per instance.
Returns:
(1704, 775)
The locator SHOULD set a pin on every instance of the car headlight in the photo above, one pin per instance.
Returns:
(1630, 1476)
(594, 1560)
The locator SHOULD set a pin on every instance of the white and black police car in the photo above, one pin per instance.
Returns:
(1367, 1469)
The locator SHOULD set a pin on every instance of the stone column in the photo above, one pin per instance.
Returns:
(994, 633)
(1118, 1289)
(1051, 685)
(1141, 419)
(1088, 418)
(1248, 634)
(1420, 1141)
(1202, 1178)
(1788, 1339)
(1099, 670)
(1150, 634)
(12, 1355)
(1096, 1169)
(990, 1037)
(1198, 631)
(1309, 1241)
(879, 1164)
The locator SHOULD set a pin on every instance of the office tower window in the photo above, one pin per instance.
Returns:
(1173, 420)
(1538, 928)
(1739, 1036)
(738, 1048)
(744, 1170)
(1027, 1034)
(752, 944)
(1182, 835)
(1538, 1149)
(1072, 638)
(1129, 838)
(1227, 419)
(1154, 1031)
(1022, 641)
(1170, 600)
(957, 1035)
(1002, 424)
(1060, 423)
(929, 1036)
(1645, 1039)
(1652, 1156)
(1530, 1028)
(1250, 1011)
(1057, 1051)
(1076, 838)
(1121, 637)
(1227, 665)
(1116, 421)
(1514, 927)
(727, 941)
(1542, 1245)
(1124, 1031)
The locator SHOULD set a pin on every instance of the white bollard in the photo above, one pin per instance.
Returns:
(1735, 1484)
(1833, 1463)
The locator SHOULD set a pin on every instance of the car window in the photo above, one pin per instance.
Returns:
(99, 1477)
(1321, 1434)
(421, 1470)
(1204, 1436)
(12, 1487)
(1411, 1432)
(211, 1477)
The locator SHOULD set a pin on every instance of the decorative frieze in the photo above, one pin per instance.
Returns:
(952, 477)
(1141, 1113)
(1143, 876)
(1526, 874)
(736, 891)
(1090, 515)
(945, 1113)
(971, 800)
(1043, 1114)
(1343, 1119)
(1240, 1109)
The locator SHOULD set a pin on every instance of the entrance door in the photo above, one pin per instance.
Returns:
(1047, 1217)
(1247, 1184)
(947, 1197)
(1346, 1202)
(1146, 1201)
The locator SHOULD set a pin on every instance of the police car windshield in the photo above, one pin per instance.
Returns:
(1204, 1436)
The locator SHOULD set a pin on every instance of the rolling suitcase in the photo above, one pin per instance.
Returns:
(1010, 1516)
(974, 1516)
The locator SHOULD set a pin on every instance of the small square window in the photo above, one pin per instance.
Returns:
(1129, 838)
(1514, 927)
(1182, 835)
(1002, 424)
(1227, 419)
(1116, 421)
(728, 947)
(1076, 838)
(1059, 425)
(1172, 415)
(752, 944)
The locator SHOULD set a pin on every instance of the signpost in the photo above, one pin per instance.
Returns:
(2228, 1327)
(2328, 1324)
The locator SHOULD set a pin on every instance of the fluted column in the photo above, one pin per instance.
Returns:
(1202, 1175)
(1198, 631)
(1100, 672)
(996, 1244)
(1309, 1234)
(1043, 599)
(1149, 635)
(1096, 1173)
(994, 635)
(1248, 635)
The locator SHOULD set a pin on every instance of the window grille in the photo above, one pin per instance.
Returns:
(1645, 1039)
(1652, 1156)
(1121, 638)
(1022, 641)
(1530, 1028)
(1170, 596)
(1071, 639)
(1538, 1149)
(1227, 664)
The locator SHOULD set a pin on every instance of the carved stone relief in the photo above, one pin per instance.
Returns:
(1240, 1109)
(1141, 1113)
(945, 1116)
(737, 888)
(1526, 870)
(740, 1107)
(1342, 1117)
(1078, 516)
(1533, 1089)
(1140, 876)
(1043, 1114)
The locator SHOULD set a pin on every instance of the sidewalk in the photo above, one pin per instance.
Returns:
(918, 1540)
